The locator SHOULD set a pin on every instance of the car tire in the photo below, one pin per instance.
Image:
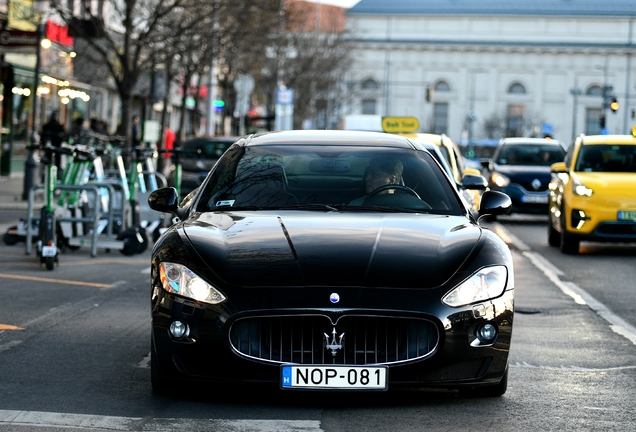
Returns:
(160, 383)
(567, 244)
(554, 238)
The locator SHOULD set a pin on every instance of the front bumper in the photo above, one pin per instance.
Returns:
(455, 356)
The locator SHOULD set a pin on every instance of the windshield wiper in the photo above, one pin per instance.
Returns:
(329, 207)
(384, 209)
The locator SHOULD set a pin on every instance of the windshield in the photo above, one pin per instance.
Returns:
(530, 154)
(607, 158)
(328, 177)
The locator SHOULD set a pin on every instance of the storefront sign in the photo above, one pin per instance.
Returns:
(18, 41)
(22, 16)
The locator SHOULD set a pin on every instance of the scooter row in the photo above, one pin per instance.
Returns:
(91, 204)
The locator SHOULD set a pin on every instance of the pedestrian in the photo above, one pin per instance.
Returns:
(80, 132)
(136, 132)
(53, 132)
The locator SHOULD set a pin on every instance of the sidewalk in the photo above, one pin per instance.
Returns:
(11, 188)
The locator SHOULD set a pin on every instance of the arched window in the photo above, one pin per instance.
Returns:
(516, 88)
(369, 84)
(442, 86)
(594, 90)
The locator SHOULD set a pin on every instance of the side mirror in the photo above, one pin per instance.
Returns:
(165, 200)
(472, 181)
(494, 203)
(558, 167)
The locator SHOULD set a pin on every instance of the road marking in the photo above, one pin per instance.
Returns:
(570, 368)
(49, 280)
(145, 362)
(617, 324)
(9, 327)
(9, 345)
(49, 419)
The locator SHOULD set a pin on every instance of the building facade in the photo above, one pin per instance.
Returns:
(493, 68)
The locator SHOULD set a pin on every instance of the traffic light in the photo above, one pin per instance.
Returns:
(601, 121)
(429, 94)
(614, 105)
(218, 105)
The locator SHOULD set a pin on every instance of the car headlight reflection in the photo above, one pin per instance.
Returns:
(487, 283)
(500, 180)
(179, 279)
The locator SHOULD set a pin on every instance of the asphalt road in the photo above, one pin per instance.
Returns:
(74, 349)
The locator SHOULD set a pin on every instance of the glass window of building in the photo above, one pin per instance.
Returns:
(593, 121)
(368, 106)
(516, 88)
(440, 118)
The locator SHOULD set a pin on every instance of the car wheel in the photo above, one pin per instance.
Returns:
(554, 238)
(567, 244)
(160, 383)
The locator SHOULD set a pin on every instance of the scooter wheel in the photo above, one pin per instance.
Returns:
(11, 239)
(50, 263)
(132, 244)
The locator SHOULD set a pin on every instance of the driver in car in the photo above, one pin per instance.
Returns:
(380, 172)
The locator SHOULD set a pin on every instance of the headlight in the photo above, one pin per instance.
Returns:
(579, 189)
(500, 180)
(487, 283)
(179, 279)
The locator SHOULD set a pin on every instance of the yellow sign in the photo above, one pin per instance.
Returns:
(22, 15)
(400, 124)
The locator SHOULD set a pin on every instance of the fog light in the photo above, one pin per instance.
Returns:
(179, 330)
(487, 333)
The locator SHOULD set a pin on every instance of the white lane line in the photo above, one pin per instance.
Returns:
(145, 362)
(580, 296)
(47, 419)
(9, 345)
(50, 419)
(570, 368)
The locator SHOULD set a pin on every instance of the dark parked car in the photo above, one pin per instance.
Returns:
(520, 167)
(286, 268)
(198, 157)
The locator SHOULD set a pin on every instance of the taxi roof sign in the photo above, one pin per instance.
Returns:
(400, 124)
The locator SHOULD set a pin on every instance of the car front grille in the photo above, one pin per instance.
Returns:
(353, 340)
(620, 229)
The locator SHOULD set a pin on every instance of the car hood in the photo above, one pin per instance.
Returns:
(524, 171)
(332, 249)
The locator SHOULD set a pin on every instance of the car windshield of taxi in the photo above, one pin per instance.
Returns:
(592, 193)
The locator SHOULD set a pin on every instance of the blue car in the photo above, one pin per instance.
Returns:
(520, 168)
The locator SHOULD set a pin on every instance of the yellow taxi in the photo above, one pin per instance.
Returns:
(593, 192)
(453, 156)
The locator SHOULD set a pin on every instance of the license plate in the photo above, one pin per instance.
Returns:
(535, 199)
(334, 377)
(49, 251)
(629, 215)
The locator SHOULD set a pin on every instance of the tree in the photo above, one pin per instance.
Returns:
(126, 37)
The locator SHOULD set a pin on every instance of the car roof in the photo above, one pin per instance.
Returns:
(522, 141)
(608, 139)
(206, 139)
(329, 137)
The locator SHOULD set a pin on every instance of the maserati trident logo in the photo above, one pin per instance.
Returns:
(336, 342)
